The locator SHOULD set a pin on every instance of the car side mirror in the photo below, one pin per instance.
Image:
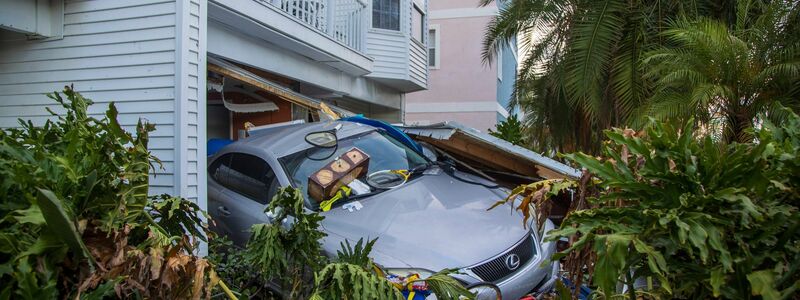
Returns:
(322, 139)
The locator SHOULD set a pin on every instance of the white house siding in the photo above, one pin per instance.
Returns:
(417, 53)
(389, 51)
(395, 54)
(418, 65)
(122, 51)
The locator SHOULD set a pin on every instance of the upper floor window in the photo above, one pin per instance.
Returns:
(433, 46)
(417, 24)
(386, 14)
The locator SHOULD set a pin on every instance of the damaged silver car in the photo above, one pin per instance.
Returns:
(427, 211)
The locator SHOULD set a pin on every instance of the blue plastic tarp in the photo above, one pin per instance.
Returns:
(391, 130)
(215, 145)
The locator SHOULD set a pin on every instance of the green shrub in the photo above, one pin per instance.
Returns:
(695, 218)
(76, 221)
(510, 130)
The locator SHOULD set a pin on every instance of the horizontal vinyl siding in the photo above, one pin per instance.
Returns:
(418, 64)
(112, 50)
(389, 52)
(396, 56)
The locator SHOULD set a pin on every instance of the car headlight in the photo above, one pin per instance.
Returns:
(405, 272)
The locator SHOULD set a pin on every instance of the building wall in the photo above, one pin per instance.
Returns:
(506, 81)
(418, 66)
(123, 51)
(463, 88)
(505, 87)
(389, 52)
(417, 52)
(395, 54)
(190, 104)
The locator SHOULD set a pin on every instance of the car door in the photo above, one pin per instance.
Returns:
(217, 172)
(249, 184)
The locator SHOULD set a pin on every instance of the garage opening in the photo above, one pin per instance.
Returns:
(240, 98)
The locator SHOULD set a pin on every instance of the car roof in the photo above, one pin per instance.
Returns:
(285, 140)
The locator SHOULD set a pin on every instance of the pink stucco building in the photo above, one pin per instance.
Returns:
(461, 87)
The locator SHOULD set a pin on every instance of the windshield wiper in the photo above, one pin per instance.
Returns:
(421, 168)
(362, 196)
(352, 198)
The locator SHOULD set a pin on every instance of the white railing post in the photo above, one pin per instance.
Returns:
(346, 21)
(366, 22)
(330, 19)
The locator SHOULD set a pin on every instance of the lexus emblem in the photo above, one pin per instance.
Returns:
(512, 261)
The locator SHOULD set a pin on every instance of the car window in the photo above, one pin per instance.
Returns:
(247, 175)
(386, 153)
(218, 167)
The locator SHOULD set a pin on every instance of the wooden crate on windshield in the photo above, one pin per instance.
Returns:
(324, 183)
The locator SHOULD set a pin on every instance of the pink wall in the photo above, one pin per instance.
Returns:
(462, 76)
(448, 4)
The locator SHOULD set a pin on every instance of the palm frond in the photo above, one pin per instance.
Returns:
(590, 51)
(627, 75)
(347, 281)
(357, 255)
(509, 23)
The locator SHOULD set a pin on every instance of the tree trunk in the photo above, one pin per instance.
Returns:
(739, 122)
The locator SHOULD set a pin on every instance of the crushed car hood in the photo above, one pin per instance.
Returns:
(433, 222)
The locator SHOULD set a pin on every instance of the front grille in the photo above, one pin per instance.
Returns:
(496, 269)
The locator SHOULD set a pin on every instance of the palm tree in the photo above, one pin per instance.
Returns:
(582, 70)
(725, 78)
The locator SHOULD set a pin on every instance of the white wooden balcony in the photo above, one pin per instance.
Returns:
(343, 20)
(332, 32)
(337, 33)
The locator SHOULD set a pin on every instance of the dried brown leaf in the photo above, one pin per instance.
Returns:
(627, 132)
(213, 280)
(199, 276)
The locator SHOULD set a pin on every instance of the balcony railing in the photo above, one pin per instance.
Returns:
(342, 20)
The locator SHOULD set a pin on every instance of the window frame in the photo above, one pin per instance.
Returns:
(423, 29)
(436, 28)
(399, 16)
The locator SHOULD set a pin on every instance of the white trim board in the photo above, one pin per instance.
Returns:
(502, 110)
(453, 13)
(444, 107)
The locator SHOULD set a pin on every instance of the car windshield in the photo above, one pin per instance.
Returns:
(385, 152)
